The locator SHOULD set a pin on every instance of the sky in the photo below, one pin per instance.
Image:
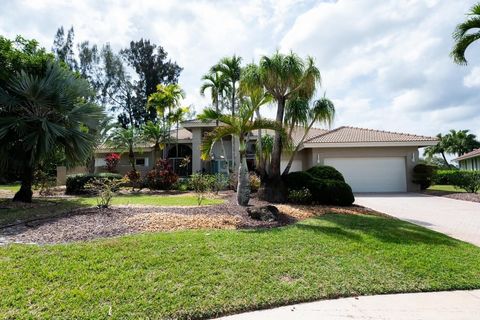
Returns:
(385, 64)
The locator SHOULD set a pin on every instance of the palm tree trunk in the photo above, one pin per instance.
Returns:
(25, 193)
(243, 187)
(261, 164)
(294, 153)
(131, 157)
(233, 115)
(445, 159)
(277, 143)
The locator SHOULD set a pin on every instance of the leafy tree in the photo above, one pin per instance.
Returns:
(154, 132)
(441, 147)
(239, 126)
(63, 47)
(177, 116)
(152, 67)
(322, 111)
(465, 34)
(285, 77)
(40, 113)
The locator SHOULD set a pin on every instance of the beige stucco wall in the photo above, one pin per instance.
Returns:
(124, 163)
(314, 156)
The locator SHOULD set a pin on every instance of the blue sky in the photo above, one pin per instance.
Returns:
(385, 64)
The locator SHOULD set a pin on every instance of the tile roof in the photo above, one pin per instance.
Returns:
(471, 154)
(348, 134)
(183, 134)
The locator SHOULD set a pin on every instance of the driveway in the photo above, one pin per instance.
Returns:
(456, 218)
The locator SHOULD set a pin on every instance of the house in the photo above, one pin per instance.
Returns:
(370, 160)
(469, 161)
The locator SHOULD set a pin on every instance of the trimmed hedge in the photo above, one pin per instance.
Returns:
(76, 183)
(323, 191)
(326, 172)
(468, 180)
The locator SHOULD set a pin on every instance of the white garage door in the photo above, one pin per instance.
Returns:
(372, 174)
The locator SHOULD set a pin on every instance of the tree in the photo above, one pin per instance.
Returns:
(230, 68)
(152, 67)
(63, 48)
(126, 140)
(40, 113)
(153, 132)
(322, 111)
(463, 37)
(177, 116)
(285, 77)
(441, 147)
(239, 126)
(454, 142)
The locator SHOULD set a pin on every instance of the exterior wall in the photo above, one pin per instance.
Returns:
(312, 157)
(63, 172)
(124, 163)
(470, 164)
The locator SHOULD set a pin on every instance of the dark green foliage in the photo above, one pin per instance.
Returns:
(468, 180)
(423, 175)
(334, 192)
(298, 180)
(303, 196)
(76, 184)
(326, 172)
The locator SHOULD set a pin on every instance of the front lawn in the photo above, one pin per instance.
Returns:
(155, 200)
(10, 187)
(199, 274)
(447, 188)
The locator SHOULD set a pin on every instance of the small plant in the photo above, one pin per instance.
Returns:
(111, 162)
(44, 182)
(105, 190)
(302, 196)
(162, 177)
(219, 182)
(200, 184)
(254, 182)
(132, 179)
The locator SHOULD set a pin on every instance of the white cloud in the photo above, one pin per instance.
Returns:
(384, 63)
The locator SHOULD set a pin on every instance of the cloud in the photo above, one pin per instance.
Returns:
(385, 64)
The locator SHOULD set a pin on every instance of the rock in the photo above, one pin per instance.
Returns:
(266, 213)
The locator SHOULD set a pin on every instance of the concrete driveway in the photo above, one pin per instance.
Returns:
(456, 218)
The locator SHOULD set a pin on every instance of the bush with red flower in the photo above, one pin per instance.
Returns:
(111, 162)
(161, 177)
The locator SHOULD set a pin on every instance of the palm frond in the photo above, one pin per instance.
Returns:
(214, 136)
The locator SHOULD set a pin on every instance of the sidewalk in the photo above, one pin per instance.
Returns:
(454, 305)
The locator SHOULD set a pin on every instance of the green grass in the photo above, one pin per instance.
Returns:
(10, 187)
(199, 274)
(448, 188)
(155, 200)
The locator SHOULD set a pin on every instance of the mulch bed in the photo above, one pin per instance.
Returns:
(91, 223)
(465, 196)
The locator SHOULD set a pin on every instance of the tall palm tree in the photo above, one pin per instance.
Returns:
(230, 68)
(126, 140)
(463, 37)
(461, 142)
(38, 115)
(285, 77)
(322, 111)
(440, 148)
(239, 126)
(176, 117)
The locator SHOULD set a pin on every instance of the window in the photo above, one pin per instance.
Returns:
(141, 162)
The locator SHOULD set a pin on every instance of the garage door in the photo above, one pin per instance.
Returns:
(372, 174)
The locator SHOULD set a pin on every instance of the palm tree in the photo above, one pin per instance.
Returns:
(461, 142)
(239, 126)
(38, 115)
(463, 38)
(440, 148)
(322, 110)
(153, 132)
(285, 77)
(230, 68)
(125, 140)
(165, 99)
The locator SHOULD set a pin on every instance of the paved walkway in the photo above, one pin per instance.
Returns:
(456, 218)
(452, 305)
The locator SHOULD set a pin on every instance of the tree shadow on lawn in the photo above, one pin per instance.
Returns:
(356, 227)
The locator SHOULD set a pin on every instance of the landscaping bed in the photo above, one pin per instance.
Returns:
(91, 222)
(452, 193)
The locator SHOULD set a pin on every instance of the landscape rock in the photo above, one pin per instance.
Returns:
(265, 213)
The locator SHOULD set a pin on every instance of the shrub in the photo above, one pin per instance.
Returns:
(254, 182)
(468, 180)
(111, 162)
(105, 190)
(423, 175)
(219, 182)
(201, 184)
(302, 196)
(132, 179)
(43, 182)
(325, 191)
(298, 180)
(326, 172)
(161, 177)
(76, 184)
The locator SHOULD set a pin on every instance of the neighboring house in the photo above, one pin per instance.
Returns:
(469, 161)
(370, 160)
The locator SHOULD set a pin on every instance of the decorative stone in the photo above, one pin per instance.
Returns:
(266, 213)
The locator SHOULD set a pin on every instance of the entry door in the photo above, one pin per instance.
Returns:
(386, 174)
